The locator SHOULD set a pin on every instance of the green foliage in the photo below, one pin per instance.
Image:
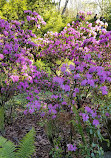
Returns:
(2, 3)
(78, 125)
(40, 6)
(42, 66)
(14, 9)
(54, 21)
(57, 151)
(25, 149)
(7, 148)
(51, 130)
(26, 146)
(2, 119)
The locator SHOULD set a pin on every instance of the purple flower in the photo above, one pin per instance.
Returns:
(107, 114)
(85, 117)
(92, 69)
(76, 90)
(71, 67)
(1, 56)
(66, 88)
(104, 90)
(5, 33)
(71, 147)
(31, 111)
(58, 80)
(54, 96)
(74, 94)
(95, 122)
(94, 114)
(27, 11)
(28, 18)
(109, 79)
(42, 114)
(35, 13)
(91, 82)
(73, 102)
(53, 111)
(36, 91)
(89, 76)
(76, 76)
(80, 68)
(14, 78)
(64, 103)
(63, 68)
(88, 109)
(50, 106)
(99, 116)
(37, 105)
(54, 116)
(87, 56)
(25, 112)
(84, 82)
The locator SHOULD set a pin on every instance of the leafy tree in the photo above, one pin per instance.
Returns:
(55, 22)
(14, 9)
(2, 3)
(40, 6)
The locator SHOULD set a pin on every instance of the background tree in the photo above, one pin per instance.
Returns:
(65, 6)
(14, 9)
(40, 6)
(2, 3)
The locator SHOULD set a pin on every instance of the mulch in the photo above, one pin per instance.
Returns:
(21, 125)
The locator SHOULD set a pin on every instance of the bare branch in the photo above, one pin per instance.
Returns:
(65, 7)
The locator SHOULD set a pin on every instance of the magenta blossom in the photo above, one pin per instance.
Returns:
(88, 109)
(1, 56)
(14, 78)
(95, 122)
(85, 117)
(71, 147)
(104, 90)
(107, 114)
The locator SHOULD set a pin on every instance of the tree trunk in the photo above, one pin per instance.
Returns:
(59, 5)
(65, 7)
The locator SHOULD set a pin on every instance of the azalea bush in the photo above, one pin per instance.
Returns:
(54, 48)
(16, 57)
(79, 79)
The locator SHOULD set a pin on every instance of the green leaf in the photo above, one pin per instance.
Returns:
(7, 148)
(108, 142)
(26, 147)
(92, 155)
(91, 131)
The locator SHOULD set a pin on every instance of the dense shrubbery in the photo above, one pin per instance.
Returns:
(14, 10)
(80, 89)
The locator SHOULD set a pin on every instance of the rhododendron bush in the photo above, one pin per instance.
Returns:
(16, 60)
(76, 87)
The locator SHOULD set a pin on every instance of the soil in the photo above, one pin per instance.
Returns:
(21, 125)
(16, 130)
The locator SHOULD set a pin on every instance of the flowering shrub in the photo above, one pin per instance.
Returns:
(75, 39)
(16, 60)
(73, 86)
